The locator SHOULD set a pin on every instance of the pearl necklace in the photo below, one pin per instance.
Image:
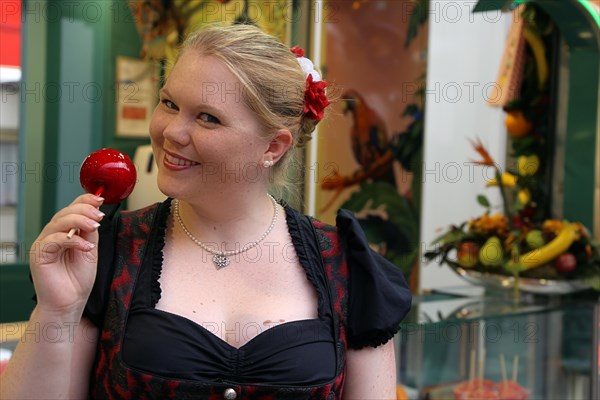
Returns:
(220, 258)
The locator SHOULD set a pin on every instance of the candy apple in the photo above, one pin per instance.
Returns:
(109, 173)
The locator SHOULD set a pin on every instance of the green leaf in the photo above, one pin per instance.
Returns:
(483, 201)
(418, 17)
(430, 255)
(451, 238)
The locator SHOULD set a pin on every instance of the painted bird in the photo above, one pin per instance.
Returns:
(369, 147)
(368, 133)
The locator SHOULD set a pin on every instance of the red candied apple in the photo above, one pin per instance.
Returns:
(510, 390)
(110, 173)
(476, 389)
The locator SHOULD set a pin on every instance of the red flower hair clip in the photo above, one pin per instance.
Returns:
(315, 99)
(298, 51)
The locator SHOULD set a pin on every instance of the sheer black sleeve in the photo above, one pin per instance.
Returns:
(96, 304)
(378, 296)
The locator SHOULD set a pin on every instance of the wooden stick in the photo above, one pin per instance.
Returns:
(72, 233)
(74, 230)
(503, 370)
(472, 367)
(481, 369)
(515, 368)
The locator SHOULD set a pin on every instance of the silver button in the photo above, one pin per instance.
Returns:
(229, 394)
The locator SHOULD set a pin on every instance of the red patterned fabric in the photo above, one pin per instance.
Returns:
(113, 379)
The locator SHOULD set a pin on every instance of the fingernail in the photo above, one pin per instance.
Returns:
(98, 198)
(94, 224)
(89, 246)
(100, 214)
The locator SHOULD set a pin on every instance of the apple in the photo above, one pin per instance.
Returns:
(535, 239)
(565, 263)
(467, 254)
(110, 173)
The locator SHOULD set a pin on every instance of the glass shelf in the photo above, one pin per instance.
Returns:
(467, 303)
(552, 338)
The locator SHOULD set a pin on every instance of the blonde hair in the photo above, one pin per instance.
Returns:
(273, 82)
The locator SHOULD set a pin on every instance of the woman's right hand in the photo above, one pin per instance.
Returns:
(63, 270)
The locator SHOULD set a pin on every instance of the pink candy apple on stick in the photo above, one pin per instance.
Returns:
(108, 173)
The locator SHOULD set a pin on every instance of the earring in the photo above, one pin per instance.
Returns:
(267, 163)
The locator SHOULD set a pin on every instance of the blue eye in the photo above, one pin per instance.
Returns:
(208, 118)
(169, 104)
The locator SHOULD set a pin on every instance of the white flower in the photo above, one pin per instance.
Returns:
(309, 68)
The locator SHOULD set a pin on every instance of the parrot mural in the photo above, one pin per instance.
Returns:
(396, 232)
(390, 219)
(369, 133)
(370, 148)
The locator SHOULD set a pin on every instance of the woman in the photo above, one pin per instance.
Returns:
(220, 291)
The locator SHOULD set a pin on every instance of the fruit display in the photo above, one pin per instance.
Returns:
(519, 242)
(524, 238)
(529, 119)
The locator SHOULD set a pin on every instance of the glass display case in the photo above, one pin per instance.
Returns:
(472, 343)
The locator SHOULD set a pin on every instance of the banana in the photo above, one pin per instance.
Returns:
(539, 52)
(508, 180)
(550, 251)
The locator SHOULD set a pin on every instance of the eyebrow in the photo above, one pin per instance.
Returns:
(205, 107)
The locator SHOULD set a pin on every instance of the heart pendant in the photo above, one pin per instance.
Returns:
(220, 261)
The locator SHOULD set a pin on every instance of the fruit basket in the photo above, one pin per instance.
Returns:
(522, 245)
(516, 248)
